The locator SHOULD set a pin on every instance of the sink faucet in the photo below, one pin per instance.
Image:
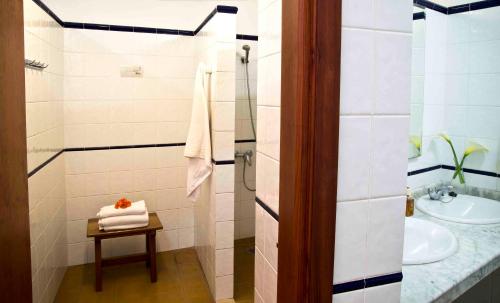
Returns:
(438, 193)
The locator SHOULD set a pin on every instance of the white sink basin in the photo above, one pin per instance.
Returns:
(462, 209)
(427, 242)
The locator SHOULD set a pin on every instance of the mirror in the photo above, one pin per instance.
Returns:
(417, 84)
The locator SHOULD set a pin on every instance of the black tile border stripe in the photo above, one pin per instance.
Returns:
(114, 147)
(457, 8)
(424, 170)
(366, 283)
(247, 37)
(418, 16)
(49, 12)
(473, 171)
(139, 29)
(431, 5)
(267, 209)
(449, 167)
(222, 162)
(39, 167)
(245, 141)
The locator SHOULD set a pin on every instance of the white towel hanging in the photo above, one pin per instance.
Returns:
(198, 148)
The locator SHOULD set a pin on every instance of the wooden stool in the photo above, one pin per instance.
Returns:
(149, 256)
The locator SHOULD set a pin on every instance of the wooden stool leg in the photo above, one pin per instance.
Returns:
(148, 250)
(98, 265)
(152, 256)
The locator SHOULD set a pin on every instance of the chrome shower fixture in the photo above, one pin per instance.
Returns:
(246, 48)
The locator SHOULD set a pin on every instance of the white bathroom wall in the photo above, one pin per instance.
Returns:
(103, 108)
(44, 124)
(461, 95)
(268, 149)
(374, 122)
(214, 211)
(244, 200)
(472, 105)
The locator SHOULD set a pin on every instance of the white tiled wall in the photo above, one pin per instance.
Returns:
(471, 100)
(268, 139)
(98, 178)
(104, 108)
(460, 95)
(214, 211)
(44, 123)
(375, 106)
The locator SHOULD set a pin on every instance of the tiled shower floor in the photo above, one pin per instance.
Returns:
(180, 280)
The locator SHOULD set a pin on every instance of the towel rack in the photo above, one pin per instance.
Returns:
(35, 64)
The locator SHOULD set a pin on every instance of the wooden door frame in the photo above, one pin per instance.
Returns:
(15, 257)
(310, 102)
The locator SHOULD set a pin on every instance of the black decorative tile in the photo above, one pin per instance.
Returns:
(121, 28)
(73, 25)
(102, 27)
(419, 16)
(484, 4)
(458, 9)
(348, 286)
(147, 30)
(227, 9)
(247, 37)
(383, 280)
(271, 212)
(167, 31)
(186, 33)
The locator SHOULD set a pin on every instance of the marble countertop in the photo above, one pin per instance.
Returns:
(478, 255)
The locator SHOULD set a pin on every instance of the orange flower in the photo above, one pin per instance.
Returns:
(122, 203)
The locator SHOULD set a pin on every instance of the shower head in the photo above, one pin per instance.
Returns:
(246, 48)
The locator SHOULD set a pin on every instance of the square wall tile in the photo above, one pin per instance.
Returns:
(357, 71)
(358, 13)
(356, 296)
(268, 181)
(390, 293)
(385, 236)
(224, 178)
(224, 234)
(350, 241)
(394, 16)
(224, 208)
(392, 73)
(224, 261)
(224, 287)
(354, 158)
(271, 240)
(390, 156)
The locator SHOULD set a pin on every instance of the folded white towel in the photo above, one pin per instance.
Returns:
(128, 226)
(137, 208)
(123, 220)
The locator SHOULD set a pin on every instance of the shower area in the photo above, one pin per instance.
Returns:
(108, 118)
(245, 164)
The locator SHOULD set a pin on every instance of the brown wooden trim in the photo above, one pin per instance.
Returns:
(310, 98)
(15, 258)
